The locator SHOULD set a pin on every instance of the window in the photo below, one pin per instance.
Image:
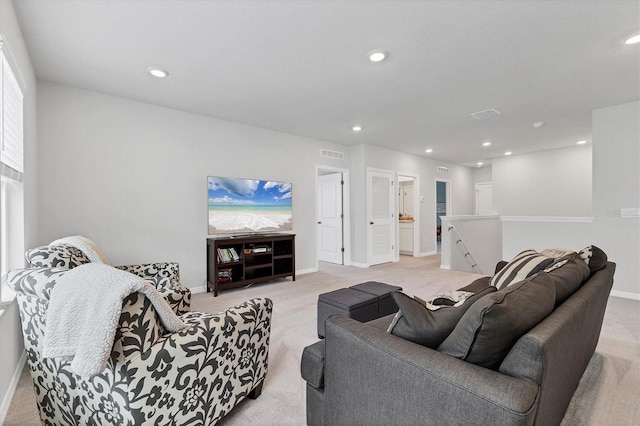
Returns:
(11, 169)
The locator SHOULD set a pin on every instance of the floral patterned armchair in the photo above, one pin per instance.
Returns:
(194, 376)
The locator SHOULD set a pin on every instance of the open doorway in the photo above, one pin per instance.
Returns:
(408, 215)
(332, 216)
(443, 208)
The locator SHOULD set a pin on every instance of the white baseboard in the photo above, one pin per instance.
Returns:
(6, 402)
(427, 253)
(445, 267)
(197, 290)
(306, 271)
(625, 295)
(359, 265)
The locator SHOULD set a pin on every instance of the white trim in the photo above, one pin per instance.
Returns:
(346, 212)
(625, 295)
(306, 271)
(11, 389)
(564, 219)
(360, 265)
(447, 267)
(471, 217)
(415, 250)
(197, 290)
(427, 253)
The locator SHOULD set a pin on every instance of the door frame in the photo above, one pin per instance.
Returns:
(449, 203)
(416, 214)
(395, 256)
(346, 212)
(476, 200)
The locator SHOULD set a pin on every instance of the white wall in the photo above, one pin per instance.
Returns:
(616, 180)
(546, 183)
(11, 348)
(132, 176)
(425, 168)
(480, 235)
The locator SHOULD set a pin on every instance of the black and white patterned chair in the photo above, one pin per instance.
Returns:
(194, 376)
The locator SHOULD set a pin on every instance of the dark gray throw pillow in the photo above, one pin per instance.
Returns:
(568, 277)
(418, 324)
(492, 325)
(477, 286)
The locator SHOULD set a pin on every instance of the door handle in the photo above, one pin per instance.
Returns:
(370, 223)
(319, 223)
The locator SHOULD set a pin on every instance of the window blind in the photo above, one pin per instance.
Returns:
(11, 124)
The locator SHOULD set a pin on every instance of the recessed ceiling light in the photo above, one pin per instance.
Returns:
(377, 55)
(157, 72)
(581, 142)
(480, 163)
(486, 143)
(538, 124)
(508, 153)
(633, 39)
(428, 150)
(356, 128)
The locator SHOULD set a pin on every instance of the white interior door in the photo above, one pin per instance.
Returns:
(380, 208)
(484, 198)
(330, 216)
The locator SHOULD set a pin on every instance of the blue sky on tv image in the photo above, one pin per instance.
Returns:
(238, 193)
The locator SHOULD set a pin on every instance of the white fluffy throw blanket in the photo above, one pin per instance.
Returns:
(85, 245)
(84, 311)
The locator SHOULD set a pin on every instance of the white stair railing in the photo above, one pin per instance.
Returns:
(467, 253)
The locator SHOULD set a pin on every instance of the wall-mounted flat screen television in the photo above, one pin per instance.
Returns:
(241, 206)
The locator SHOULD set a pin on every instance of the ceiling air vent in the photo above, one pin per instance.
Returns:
(487, 113)
(332, 154)
(442, 169)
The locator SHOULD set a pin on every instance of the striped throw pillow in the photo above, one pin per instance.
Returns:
(524, 265)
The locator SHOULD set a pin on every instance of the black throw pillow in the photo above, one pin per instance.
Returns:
(594, 257)
(418, 324)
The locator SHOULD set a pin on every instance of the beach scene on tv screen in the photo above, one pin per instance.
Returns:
(247, 205)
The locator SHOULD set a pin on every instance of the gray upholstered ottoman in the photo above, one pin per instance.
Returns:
(386, 305)
(348, 302)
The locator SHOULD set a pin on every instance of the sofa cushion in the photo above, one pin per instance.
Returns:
(56, 256)
(594, 257)
(567, 275)
(492, 325)
(418, 324)
(524, 265)
(312, 364)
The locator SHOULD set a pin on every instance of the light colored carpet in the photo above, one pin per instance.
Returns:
(607, 395)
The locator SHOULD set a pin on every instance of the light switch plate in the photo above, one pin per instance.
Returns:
(634, 212)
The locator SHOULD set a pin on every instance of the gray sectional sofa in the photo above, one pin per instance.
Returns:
(363, 375)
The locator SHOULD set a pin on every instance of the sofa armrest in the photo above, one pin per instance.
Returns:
(206, 368)
(165, 276)
(161, 274)
(372, 377)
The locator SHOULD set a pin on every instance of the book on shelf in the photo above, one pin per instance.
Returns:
(228, 254)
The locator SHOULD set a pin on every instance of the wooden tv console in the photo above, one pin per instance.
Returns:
(240, 261)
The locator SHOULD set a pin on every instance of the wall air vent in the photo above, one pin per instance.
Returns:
(487, 113)
(332, 154)
(442, 169)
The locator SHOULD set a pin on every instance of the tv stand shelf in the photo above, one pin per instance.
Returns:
(242, 260)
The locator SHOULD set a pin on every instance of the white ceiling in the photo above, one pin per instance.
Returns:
(299, 66)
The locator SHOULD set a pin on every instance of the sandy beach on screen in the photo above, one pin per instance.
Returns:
(236, 221)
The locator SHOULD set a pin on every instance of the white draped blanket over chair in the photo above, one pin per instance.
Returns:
(153, 376)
